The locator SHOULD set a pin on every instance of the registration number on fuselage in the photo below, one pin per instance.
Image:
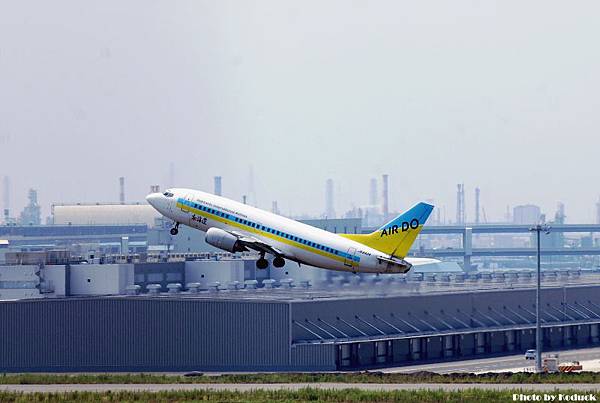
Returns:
(199, 219)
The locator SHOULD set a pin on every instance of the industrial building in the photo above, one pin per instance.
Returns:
(295, 328)
(107, 288)
(104, 214)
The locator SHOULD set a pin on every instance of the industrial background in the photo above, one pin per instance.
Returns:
(105, 287)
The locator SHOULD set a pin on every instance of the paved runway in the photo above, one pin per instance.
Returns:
(496, 364)
(295, 386)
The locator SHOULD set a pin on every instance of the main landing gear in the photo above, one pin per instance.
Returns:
(175, 230)
(262, 263)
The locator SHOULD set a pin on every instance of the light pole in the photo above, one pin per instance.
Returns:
(538, 229)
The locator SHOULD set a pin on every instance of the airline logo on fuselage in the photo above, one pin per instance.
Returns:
(405, 226)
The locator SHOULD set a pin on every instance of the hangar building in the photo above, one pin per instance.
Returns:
(287, 329)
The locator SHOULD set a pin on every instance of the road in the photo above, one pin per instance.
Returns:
(296, 386)
(498, 363)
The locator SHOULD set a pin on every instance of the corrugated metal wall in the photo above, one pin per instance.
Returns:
(306, 357)
(430, 307)
(143, 334)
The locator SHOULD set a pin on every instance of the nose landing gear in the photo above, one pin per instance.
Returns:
(175, 230)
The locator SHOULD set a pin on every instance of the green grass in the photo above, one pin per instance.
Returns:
(359, 377)
(303, 395)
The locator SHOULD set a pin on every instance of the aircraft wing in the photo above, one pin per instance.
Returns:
(256, 244)
(419, 261)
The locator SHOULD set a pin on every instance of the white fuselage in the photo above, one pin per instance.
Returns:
(297, 241)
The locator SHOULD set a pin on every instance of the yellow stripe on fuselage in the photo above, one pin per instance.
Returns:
(266, 234)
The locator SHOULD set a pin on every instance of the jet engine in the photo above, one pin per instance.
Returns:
(223, 240)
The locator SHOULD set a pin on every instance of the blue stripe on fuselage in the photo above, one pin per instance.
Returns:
(267, 230)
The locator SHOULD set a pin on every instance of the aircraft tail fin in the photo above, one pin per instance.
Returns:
(397, 236)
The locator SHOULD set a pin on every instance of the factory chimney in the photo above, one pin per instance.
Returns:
(171, 175)
(274, 207)
(218, 190)
(477, 192)
(373, 192)
(244, 199)
(6, 199)
(560, 216)
(460, 204)
(385, 201)
(122, 190)
(329, 210)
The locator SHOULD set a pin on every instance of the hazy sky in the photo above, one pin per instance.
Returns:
(503, 95)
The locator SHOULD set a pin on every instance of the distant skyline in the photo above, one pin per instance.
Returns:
(447, 213)
(502, 96)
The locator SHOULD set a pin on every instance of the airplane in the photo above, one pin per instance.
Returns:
(238, 227)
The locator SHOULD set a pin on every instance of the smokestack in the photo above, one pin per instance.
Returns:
(218, 190)
(6, 198)
(244, 198)
(559, 218)
(477, 192)
(329, 210)
(171, 174)
(386, 211)
(460, 204)
(122, 190)
(373, 192)
(252, 200)
(274, 208)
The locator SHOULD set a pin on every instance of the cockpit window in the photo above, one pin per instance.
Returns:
(168, 194)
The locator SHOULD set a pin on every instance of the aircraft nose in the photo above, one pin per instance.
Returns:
(154, 199)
